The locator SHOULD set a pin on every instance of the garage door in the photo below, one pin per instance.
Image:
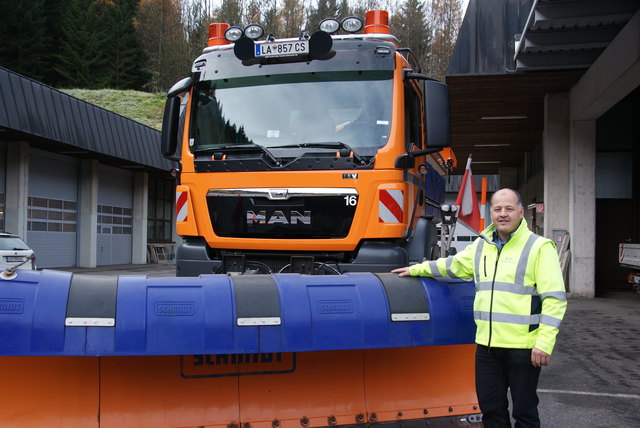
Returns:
(52, 209)
(115, 216)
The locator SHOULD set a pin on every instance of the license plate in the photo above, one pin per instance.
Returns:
(13, 259)
(298, 47)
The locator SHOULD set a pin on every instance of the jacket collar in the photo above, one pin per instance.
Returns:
(487, 234)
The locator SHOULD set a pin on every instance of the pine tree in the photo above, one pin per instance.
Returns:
(124, 68)
(24, 37)
(82, 61)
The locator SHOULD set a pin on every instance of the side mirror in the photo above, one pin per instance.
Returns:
(170, 120)
(437, 114)
(169, 136)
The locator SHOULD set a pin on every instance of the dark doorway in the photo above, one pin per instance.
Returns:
(614, 220)
(617, 189)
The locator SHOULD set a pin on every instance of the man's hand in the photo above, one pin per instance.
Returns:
(539, 358)
(402, 271)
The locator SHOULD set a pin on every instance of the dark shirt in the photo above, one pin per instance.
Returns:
(498, 240)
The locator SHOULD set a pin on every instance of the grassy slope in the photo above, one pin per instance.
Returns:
(142, 107)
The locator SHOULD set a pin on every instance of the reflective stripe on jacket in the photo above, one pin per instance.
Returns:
(520, 296)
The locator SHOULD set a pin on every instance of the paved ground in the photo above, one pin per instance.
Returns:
(594, 377)
(160, 269)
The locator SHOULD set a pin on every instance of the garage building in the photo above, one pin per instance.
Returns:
(84, 186)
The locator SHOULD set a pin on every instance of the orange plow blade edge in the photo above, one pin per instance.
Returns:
(275, 390)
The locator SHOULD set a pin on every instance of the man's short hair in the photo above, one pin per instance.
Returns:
(518, 197)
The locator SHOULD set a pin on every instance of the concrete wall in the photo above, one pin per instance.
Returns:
(88, 213)
(140, 209)
(17, 189)
(582, 207)
(569, 149)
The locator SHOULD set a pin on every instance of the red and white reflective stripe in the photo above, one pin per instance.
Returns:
(390, 207)
(181, 205)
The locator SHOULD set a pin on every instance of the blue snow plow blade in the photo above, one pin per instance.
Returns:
(57, 313)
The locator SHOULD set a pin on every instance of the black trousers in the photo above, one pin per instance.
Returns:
(497, 370)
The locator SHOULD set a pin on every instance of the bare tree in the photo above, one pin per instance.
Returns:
(446, 19)
(160, 30)
(196, 19)
(410, 24)
(293, 16)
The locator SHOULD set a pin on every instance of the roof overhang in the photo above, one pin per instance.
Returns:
(497, 94)
(569, 34)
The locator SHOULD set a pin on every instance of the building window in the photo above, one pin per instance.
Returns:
(160, 209)
(115, 220)
(51, 215)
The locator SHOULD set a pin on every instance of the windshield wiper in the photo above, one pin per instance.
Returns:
(325, 145)
(239, 148)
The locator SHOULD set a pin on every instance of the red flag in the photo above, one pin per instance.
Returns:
(467, 201)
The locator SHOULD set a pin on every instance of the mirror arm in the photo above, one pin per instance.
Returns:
(417, 153)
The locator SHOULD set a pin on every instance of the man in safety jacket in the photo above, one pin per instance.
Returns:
(519, 305)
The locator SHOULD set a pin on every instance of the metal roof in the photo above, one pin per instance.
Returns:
(570, 34)
(55, 121)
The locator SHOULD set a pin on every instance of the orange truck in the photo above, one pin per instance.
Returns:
(317, 154)
(310, 167)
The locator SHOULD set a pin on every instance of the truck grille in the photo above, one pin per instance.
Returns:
(292, 213)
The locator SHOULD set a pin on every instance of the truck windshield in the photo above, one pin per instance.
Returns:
(353, 108)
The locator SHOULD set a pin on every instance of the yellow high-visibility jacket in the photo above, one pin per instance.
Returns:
(520, 296)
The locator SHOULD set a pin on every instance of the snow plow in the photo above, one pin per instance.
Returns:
(248, 351)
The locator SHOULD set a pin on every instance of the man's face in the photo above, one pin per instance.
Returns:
(506, 214)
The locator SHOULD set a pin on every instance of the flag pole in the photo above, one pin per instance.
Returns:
(452, 230)
(483, 203)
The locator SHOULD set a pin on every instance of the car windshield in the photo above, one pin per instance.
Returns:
(12, 243)
(353, 108)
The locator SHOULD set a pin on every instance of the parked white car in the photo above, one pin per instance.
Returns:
(14, 253)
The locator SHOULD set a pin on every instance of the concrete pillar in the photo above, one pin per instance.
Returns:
(555, 144)
(582, 210)
(17, 189)
(88, 221)
(140, 214)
